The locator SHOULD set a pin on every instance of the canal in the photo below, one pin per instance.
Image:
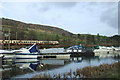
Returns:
(20, 68)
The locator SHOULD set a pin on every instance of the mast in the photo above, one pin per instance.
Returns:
(3, 38)
(16, 35)
(9, 40)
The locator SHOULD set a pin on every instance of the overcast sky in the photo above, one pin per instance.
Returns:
(76, 17)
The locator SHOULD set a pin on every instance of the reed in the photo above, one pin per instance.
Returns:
(102, 71)
(90, 72)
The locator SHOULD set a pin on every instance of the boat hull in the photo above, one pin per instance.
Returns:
(26, 56)
(85, 54)
(103, 51)
(26, 60)
(8, 56)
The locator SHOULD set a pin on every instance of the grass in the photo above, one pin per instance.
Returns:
(102, 71)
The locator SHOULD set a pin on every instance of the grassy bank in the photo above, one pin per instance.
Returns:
(102, 71)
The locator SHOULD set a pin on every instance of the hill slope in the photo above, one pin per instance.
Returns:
(22, 25)
(21, 30)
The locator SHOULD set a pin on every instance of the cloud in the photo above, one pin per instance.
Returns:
(110, 16)
(44, 9)
(46, 6)
(119, 18)
(64, 4)
(76, 17)
(40, 7)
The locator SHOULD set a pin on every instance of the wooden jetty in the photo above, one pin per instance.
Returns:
(66, 55)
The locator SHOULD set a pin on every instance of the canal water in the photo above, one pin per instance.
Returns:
(52, 66)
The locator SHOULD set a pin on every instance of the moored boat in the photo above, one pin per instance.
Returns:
(104, 49)
(23, 53)
(7, 54)
(30, 53)
(79, 50)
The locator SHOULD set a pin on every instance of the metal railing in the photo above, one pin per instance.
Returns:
(27, 42)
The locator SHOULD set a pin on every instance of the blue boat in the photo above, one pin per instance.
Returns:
(79, 50)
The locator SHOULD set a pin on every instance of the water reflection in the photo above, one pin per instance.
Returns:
(27, 68)
(76, 59)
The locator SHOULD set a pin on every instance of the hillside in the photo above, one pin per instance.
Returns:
(21, 30)
(22, 25)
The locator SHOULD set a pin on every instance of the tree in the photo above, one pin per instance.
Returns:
(78, 35)
(98, 39)
(57, 37)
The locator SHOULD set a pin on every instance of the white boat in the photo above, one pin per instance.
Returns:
(30, 53)
(103, 49)
(23, 53)
(1, 56)
(7, 54)
(117, 48)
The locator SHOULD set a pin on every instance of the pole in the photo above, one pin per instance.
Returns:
(16, 35)
(3, 34)
(16, 39)
(9, 40)
(2, 38)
